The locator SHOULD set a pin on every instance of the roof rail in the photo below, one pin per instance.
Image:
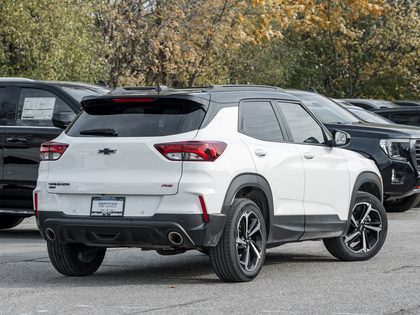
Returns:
(233, 87)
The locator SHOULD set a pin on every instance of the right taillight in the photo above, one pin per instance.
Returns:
(192, 150)
(52, 151)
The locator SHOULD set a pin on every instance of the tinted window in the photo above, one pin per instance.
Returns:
(259, 121)
(365, 106)
(36, 107)
(159, 118)
(2, 90)
(405, 118)
(2, 95)
(303, 127)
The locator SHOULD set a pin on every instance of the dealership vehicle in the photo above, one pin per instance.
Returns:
(409, 115)
(394, 148)
(31, 112)
(406, 103)
(226, 170)
(370, 104)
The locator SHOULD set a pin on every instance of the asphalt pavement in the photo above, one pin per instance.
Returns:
(298, 278)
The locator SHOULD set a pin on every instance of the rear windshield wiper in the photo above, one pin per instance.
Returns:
(100, 132)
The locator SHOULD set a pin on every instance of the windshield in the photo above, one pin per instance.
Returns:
(78, 92)
(325, 109)
(369, 116)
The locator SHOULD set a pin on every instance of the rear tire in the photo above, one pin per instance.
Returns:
(240, 253)
(8, 221)
(366, 233)
(75, 259)
(403, 204)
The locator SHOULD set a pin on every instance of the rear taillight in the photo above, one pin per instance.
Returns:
(191, 150)
(52, 151)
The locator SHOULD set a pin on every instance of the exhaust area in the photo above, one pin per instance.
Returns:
(50, 234)
(175, 238)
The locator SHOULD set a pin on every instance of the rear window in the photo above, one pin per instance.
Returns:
(162, 117)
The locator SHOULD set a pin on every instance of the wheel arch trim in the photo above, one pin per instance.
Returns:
(214, 231)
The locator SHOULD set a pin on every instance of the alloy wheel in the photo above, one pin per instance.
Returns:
(249, 241)
(364, 230)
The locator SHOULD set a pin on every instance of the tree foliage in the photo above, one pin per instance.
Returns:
(372, 53)
(172, 42)
(51, 39)
(342, 48)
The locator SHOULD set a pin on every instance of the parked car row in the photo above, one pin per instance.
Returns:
(226, 170)
(399, 112)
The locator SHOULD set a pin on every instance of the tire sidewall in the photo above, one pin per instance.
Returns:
(365, 197)
(242, 206)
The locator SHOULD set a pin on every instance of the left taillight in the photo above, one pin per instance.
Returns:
(192, 150)
(52, 151)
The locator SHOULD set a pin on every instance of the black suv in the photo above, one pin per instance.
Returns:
(394, 148)
(407, 115)
(31, 112)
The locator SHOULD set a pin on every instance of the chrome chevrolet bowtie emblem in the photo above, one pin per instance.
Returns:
(107, 151)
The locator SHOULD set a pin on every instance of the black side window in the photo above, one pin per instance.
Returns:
(405, 118)
(259, 121)
(2, 91)
(365, 106)
(36, 107)
(303, 127)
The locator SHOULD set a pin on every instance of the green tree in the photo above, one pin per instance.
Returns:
(52, 40)
(181, 42)
(367, 54)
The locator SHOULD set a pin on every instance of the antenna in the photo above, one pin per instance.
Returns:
(158, 89)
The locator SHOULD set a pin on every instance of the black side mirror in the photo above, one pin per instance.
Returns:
(340, 138)
(62, 119)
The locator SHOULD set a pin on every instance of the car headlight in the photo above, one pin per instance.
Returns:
(397, 149)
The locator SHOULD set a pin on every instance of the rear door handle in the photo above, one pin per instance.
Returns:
(308, 156)
(13, 139)
(260, 153)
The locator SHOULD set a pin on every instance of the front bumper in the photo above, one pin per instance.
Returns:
(147, 233)
(408, 185)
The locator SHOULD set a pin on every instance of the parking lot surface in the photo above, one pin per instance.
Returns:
(298, 278)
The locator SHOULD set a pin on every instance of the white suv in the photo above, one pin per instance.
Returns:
(226, 170)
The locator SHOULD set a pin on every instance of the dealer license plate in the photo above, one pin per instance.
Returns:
(107, 206)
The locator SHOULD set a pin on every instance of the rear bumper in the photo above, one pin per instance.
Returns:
(148, 233)
(17, 212)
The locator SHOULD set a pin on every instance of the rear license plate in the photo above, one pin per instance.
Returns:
(107, 206)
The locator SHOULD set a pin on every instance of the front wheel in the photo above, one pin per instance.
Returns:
(366, 233)
(75, 259)
(240, 253)
(403, 204)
